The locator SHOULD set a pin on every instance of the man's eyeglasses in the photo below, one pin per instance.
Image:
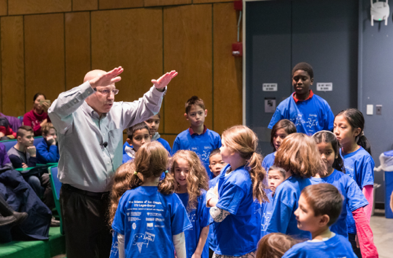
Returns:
(107, 92)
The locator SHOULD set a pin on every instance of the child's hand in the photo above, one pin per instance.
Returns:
(51, 140)
(195, 255)
(24, 165)
(32, 151)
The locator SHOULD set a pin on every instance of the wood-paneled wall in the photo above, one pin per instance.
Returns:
(48, 46)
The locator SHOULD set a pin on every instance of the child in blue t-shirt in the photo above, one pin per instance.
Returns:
(309, 112)
(148, 220)
(137, 136)
(197, 138)
(356, 151)
(353, 198)
(280, 130)
(192, 183)
(236, 225)
(216, 164)
(298, 156)
(319, 207)
(153, 123)
(275, 177)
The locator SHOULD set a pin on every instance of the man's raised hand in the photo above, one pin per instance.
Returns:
(164, 80)
(107, 78)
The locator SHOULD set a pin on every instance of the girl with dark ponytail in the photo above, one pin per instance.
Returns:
(147, 218)
(356, 151)
(353, 198)
(236, 222)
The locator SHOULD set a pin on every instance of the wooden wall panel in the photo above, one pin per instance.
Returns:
(3, 7)
(115, 4)
(187, 49)
(227, 69)
(133, 39)
(210, 1)
(44, 56)
(77, 44)
(170, 138)
(166, 2)
(84, 5)
(12, 70)
(38, 6)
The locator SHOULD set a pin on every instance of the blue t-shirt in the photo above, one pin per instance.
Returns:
(267, 211)
(201, 144)
(200, 218)
(335, 247)
(211, 237)
(353, 198)
(309, 116)
(360, 166)
(126, 158)
(160, 140)
(165, 144)
(286, 201)
(239, 232)
(268, 161)
(148, 220)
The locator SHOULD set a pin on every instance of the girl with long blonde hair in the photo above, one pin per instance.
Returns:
(146, 217)
(192, 184)
(236, 223)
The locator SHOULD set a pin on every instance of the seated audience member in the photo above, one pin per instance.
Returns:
(23, 155)
(309, 112)
(17, 195)
(47, 150)
(6, 132)
(197, 137)
(137, 136)
(38, 116)
(5, 162)
(319, 207)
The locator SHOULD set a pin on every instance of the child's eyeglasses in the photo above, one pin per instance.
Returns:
(107, 92)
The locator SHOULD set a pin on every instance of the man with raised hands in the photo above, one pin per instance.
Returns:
(90, 133)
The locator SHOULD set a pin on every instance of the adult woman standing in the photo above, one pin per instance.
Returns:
(38, 116)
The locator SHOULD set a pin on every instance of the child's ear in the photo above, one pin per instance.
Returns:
(312, 81)
(357, 131)
(210, 166)
(186, 116)
(129, 141)
(324, 220)
(205, 112)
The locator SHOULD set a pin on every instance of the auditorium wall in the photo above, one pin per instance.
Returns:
(48, 45)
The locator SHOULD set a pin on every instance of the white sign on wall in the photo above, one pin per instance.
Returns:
(269, 87)
(324, 86)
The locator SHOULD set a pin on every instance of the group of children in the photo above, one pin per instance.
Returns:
(217, 197)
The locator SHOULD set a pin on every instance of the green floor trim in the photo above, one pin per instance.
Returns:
(35, 249)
